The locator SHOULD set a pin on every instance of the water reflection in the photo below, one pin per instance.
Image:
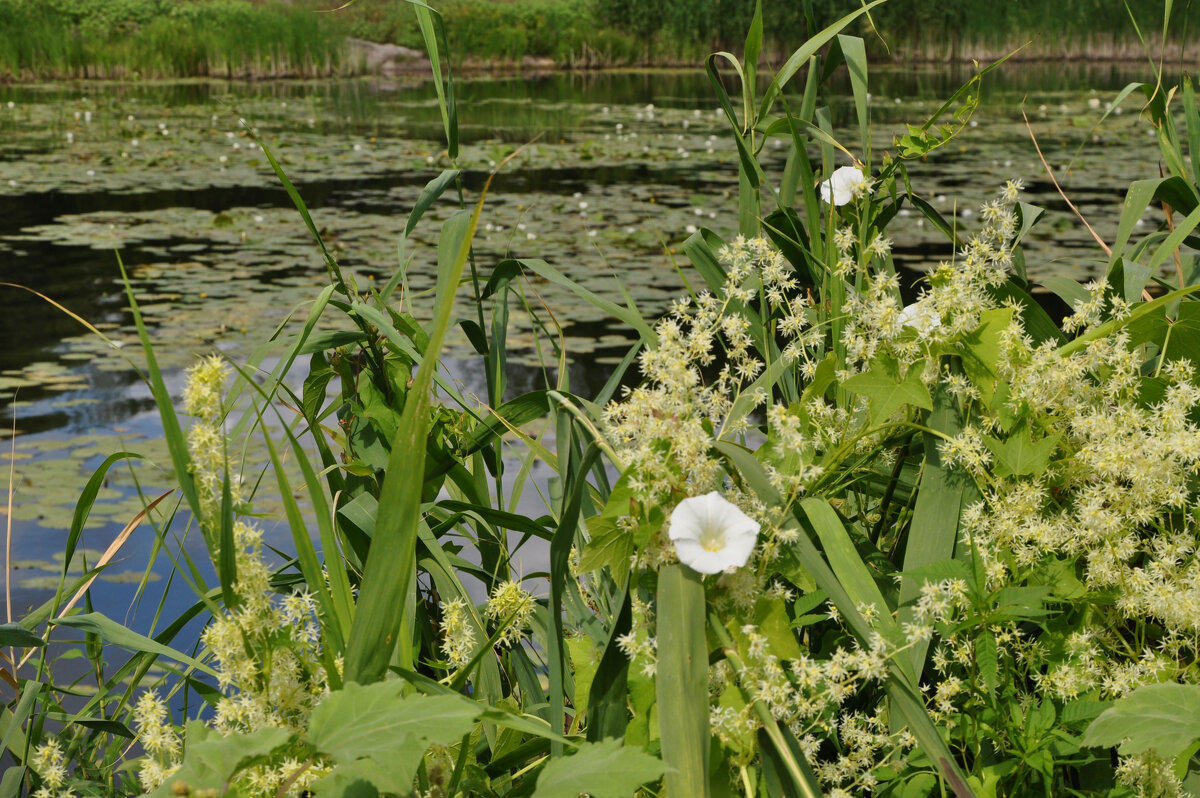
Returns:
(608, 185)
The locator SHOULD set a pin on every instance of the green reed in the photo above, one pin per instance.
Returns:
(930, 602)
(149, 39)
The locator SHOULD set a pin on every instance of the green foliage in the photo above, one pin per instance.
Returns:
(953, 540)
(159, 38)
(603, 770)
(1162, 717)
(213, 760)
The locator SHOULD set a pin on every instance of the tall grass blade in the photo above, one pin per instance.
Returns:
(172, 431)
(430, 194)
(83, 508)
(433, 32)
(854, 50)
(682, 680)
(13, 720)
(942, 495)
(800, 57)
(607, 712)
(114, 633)
(627, 315)
(389, 574)
(899, 682)
(560, 572)
(335, 271)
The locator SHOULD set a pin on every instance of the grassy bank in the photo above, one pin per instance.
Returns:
(270, 38)
(162, 38)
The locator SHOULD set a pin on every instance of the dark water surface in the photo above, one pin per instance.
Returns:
(615, 170)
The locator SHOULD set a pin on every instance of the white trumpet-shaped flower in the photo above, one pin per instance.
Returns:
(711, 534)
(845, 184)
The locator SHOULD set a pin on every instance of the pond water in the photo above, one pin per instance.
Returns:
(613, 171)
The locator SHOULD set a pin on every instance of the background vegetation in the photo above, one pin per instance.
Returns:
(165, 38)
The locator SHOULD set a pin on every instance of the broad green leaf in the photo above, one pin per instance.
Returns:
(1175, 338)
(17, 636)
(378, 720)
(1182, 230)
(392, 776)
(701, 248)
(682, 681)
(1083, 709)
(112, 632)
(1163, 717)
(888, 391)
(10, 783)
(607, 769)
(982, 350)
(211, 760)
(609, 544)
(942, 494)
(584, 661)
(1066, 289)
(1020, 455)
(771, 618)
(1137, 198)
(986, 658)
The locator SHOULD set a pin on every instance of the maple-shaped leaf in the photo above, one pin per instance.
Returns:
(1164, 717)
(888, 391)
(608, 769)
(212, 760)
(379, 721)
(982, 349)
(1020, 455)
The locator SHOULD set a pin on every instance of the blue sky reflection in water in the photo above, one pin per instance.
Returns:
(614, 171)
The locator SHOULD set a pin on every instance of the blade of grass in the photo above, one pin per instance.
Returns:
(390, 568)
(560, 555)
(800, 57)
(111, 551)
(682, 680)
(172, 431)
(933, 531)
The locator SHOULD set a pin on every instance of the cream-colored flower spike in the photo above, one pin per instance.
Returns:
(845, 184)
(712, 535)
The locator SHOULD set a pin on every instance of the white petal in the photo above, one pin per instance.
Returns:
(688, 518)
(921, 317)
(738, 549)
(843, 184)
(699, 559)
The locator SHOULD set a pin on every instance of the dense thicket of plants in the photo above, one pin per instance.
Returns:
(162, 38)
(857, 542)
(1073, 25)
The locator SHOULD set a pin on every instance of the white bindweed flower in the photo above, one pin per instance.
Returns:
(922, 317)
(845, 184)
(712, 535)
